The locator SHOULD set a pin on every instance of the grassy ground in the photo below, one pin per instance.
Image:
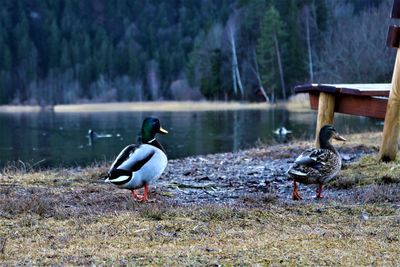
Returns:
(295, 234)
(68, 217)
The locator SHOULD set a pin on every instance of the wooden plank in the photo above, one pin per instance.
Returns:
(361, 106)
(373, 89)
(377, 89)
(373, 107)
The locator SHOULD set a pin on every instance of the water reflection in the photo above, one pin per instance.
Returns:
(63, 139)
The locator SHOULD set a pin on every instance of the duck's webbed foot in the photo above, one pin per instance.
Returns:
(319, 192)
(136, 196)
(144, 197)
(295, 194)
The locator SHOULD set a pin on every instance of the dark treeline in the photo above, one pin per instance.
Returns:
(67, 51)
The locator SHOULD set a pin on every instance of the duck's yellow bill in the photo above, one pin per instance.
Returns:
(163, 131)
(339, 137)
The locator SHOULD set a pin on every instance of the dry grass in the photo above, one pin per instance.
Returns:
(67, 217)
(368, 139)
(160, 106)
(295, 103)
(10, 108)
(163, 235)
(298, 102)
(369, 170)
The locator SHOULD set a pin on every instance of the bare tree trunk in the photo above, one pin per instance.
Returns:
(239, 80)
(257, 73)
(234, 78)
(308, 39)
(152, 80)
(235, 65)
(278, 57)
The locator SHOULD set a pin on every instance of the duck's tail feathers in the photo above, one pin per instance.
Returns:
(119, 177)
(120, 180)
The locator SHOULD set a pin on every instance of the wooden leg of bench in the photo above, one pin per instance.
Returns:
(388, 149)
(326, 111)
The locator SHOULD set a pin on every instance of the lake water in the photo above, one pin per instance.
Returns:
(61, 139)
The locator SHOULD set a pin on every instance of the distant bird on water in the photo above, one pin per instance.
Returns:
(282, 131)
(92, 135)
(317, 165)
(137, 166)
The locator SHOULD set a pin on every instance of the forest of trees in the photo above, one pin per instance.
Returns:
(69, 51)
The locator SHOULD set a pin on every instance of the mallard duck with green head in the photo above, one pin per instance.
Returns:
(137, 166)
(317, 165)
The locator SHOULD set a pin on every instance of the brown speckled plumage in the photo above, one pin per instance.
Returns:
(317, 165)
(322, 166)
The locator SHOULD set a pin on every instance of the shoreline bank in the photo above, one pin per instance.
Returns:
(168, 106)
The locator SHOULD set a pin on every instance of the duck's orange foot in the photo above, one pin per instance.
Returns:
(136, 196)
(319, 192)
(144, 197)
(141, 198)
(296, 195)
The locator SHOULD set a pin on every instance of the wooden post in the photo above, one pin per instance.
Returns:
(396, 10)
(326, 111)
(388, 149)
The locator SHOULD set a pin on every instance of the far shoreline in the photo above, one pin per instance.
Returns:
(166, 106)
(162, 106)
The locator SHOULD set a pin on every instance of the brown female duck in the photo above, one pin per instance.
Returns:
(317, 165)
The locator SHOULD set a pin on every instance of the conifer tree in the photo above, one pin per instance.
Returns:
(269, 53)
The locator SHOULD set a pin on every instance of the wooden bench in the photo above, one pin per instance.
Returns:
(369, 100)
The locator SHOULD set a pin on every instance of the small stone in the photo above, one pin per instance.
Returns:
(203, 178)
(187, 173)
(364, 216)
(262, 183)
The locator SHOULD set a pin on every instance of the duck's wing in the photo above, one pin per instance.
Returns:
(313, 165)
(131, 159)
(136, 158)
(123, 155)
(120, 176)
(314, 158)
